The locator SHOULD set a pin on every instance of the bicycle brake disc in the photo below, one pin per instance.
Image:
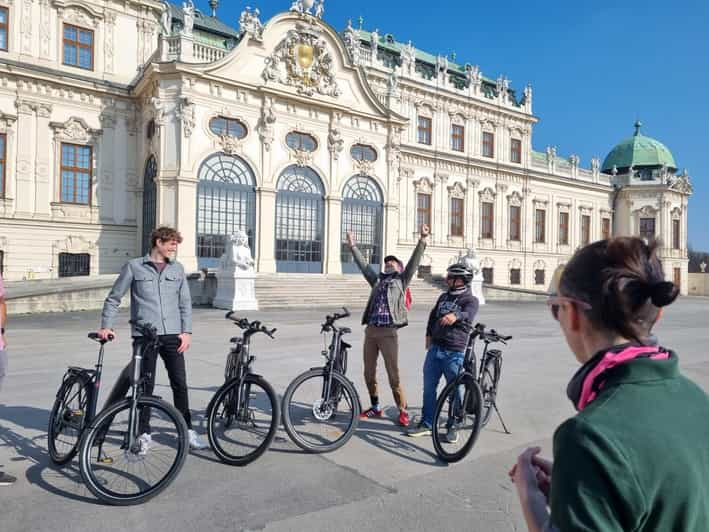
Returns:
(321, 411)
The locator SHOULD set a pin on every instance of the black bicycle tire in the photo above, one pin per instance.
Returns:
(466, 380)
(86, 447)
(288, 425)
(275, 420)
(491, 369)
(51, 449)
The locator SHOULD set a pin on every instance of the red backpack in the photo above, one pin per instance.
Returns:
(407, 299)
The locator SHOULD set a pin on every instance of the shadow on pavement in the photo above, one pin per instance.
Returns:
(63, 481)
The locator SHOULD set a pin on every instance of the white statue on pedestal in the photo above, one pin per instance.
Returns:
(703, 267)
(236, 277)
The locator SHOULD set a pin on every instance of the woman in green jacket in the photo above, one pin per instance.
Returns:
(636, 456)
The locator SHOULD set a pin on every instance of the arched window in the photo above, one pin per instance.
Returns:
(301, 141)
(362, 152)
(220, 125)
(299, 221)
(150, 193)
(362, 215)
(226, 201)
(150, 129)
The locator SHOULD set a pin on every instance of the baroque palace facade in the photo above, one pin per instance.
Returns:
(116, 116)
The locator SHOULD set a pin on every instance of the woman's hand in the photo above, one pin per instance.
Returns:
(532, 478)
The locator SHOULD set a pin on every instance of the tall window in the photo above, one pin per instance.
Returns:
(76, 174)
(488, 144)
(585, 229)
(516, 151)
(423, 210)
(675, 235)
(456, 217)
(488, 275)
(515, 276)
(221, 125)
(606, 228)
(424, 130)
(515, 223)
(540, 225)
(564, 228)
(539, 276)
(4, 28)
(487, 220)
(647, 228)
(78, 47)
(3, 162)
(457, 138)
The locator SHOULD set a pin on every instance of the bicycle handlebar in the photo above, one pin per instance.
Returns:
(490, 336)
(330, 320)
(252, 327)
(94, 336)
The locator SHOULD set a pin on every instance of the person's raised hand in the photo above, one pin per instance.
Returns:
(350, 239)
(425, 231)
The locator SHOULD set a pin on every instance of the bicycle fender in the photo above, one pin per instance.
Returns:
(151, 396)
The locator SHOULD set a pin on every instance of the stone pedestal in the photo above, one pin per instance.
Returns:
(236, 290)
(477, 287)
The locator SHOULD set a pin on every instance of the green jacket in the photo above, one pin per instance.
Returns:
(397, 288)
(637, 457)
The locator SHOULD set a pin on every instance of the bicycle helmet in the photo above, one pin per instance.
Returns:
(460, 270)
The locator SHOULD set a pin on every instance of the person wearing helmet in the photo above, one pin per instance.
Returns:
(446, 338)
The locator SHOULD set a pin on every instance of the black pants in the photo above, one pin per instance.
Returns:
(175, 366)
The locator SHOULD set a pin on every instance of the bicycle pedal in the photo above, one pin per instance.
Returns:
(77, 413)
(106, 460)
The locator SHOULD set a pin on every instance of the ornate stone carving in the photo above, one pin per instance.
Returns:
(302, 60)
(551, 158)
(44, 29)
(574, 160)
(424, 185)
(363, 167)
(487, 194)
(237, 254)
(250, 24)
(646, 210)
(265, 124)
(109, 41)
(302, 158)
(515, 199)
(78, 16)
(186, 113)
(320, 9)
(408, 58)
(166, 19)
(44, 110)
(473, 76)
(188, 13)
(374, 43)
(596, 166)
(456, 190)
(75, 130)
(26, 27)
(335, 144)
(681, 183)
(158, 110)
(405, 171)
(527, 101)
(6, 122)
(230, 145)
(351, 39)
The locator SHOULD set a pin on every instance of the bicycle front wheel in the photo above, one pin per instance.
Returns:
(242, 420)
(124, 469)
(456, 423)
(68, 419)
(316, 421)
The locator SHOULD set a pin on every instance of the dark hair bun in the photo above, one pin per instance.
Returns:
(663, 293)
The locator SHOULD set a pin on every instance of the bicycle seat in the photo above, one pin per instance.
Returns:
(346, 345)
(346, 330)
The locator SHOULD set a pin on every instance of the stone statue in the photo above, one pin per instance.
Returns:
(442, 64)
(297, 6)
(595, 165)
(237, 254)
(392, 82)
(166, 20)
(408, 56)
(250, 24)
(574, 160)
(307, 5)
(470, 259)
(351, 38)
(335, 143)
(703, 267)
(188, 17)
(320, 9)
(374, 41)
(528, 93)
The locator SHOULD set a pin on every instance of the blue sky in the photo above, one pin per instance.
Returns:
(595, 65)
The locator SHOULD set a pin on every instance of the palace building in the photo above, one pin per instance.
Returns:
(119, 115)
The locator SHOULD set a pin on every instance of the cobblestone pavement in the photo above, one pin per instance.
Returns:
(380, 480)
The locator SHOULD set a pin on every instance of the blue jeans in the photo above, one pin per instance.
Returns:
(438, 362)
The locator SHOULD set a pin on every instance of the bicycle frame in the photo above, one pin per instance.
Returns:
(333, 352)
(152, 342)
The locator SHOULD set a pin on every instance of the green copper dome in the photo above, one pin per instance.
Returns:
(638, 151)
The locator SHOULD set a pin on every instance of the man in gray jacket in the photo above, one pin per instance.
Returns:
(386, 313)
(160, 296)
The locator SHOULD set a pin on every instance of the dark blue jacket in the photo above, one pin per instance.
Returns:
(452, 337)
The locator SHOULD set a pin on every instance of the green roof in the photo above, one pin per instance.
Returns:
(207, 23)
(639, 151)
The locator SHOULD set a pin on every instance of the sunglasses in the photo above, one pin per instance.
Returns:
(555, 302)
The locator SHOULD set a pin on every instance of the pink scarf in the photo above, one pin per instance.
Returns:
(610, 360)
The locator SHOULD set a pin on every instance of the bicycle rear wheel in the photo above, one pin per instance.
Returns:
(243, 420)
(122, 476)
(488, 387)
(315, 422)
(456, 423)
(68, 419)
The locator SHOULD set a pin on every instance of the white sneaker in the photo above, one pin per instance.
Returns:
(196, 442)
(144, 440)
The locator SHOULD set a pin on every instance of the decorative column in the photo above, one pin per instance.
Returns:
(108, 200)
(333, 238)
(471, 229)
(404, 199)
(266, 223)
(45, 31)
(7, 127)
(186, 182)
(26, 27)
(109, 44)
(442, 219)
(43, 162)
(25, 189)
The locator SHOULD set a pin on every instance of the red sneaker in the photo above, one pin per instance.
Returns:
(371, 413)
(404, 419)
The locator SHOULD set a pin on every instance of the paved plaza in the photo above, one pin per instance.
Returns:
(381, 480)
